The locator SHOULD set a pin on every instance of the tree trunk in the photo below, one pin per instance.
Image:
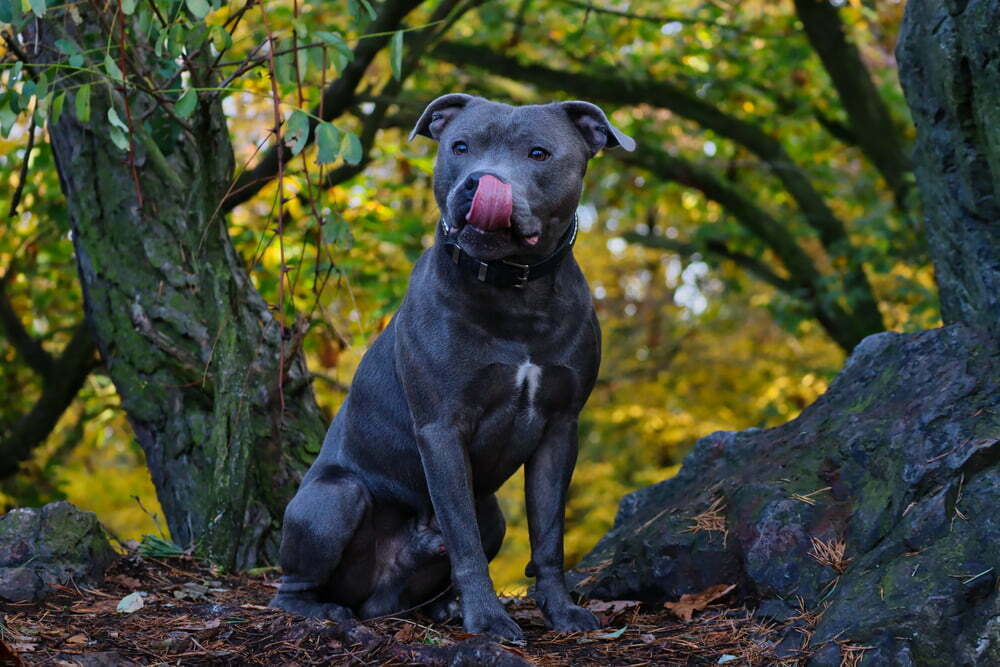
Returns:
(875, 510)
(194, 351)
(949, 59)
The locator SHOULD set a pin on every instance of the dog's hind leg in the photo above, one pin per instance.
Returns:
(320, 522)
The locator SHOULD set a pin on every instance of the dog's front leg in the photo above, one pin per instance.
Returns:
(547, 475)
(449, 480)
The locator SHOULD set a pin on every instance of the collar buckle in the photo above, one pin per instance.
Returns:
(521, 279)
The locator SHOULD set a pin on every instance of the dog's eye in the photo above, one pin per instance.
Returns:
(459, 148)
(539, 154)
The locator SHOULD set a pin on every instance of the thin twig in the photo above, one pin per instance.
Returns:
(23, 175)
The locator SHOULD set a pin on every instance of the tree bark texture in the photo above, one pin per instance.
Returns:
(949, 65)
(195, 353)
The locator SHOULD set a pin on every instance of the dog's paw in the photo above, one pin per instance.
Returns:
(444, 610)
(572, 618)
(311, 608)
(495, 623)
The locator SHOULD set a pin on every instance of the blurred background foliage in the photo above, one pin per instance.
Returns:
(706, 326)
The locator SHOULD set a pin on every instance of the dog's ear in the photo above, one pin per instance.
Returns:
(595, 127)
(438, 113)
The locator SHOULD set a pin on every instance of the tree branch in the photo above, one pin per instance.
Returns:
(876, 134)
(613, 88)
(804, 280)
(337, 97)
(59, 389)
(751, 217)
(718, 247)
(30, 350)
(448, 12)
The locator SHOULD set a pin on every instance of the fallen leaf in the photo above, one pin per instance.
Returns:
(691, 602)
(207, 625)
(726, 657)
(125, 580)
(406, 633)
(98, 607)
(191, 591)
(616, 634)
(613, 607)
(77, 639)
(131, 603)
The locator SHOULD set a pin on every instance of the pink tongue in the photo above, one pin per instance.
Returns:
(491, 205)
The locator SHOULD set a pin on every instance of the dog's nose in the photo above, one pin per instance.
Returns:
(492, 202)
(472, 180)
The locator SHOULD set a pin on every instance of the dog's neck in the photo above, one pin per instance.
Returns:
(504, 273)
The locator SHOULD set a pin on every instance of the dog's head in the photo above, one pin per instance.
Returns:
(508, 179)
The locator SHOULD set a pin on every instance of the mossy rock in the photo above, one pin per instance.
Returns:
(54, 544)
(899, 462)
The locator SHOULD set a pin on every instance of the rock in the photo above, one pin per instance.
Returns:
(949, 65)
(877, 506)
(56, 544)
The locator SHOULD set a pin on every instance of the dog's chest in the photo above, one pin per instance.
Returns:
(517, 400)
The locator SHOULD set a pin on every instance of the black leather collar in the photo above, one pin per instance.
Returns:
(503, 272)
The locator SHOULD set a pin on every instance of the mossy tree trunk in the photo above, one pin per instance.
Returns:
(195, 353)
(949, 65)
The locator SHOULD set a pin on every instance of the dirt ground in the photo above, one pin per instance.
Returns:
(182, 612)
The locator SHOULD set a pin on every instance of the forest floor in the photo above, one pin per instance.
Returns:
(180, 611)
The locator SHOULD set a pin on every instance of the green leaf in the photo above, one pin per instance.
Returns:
(42, 86)
(119, 138)
(337, 231)
(38, 7)
(115, 120)
(186, 103)
(128, 7)
(221, 38)
(328, 140)
(199, 8)
(351, 148)
(334, 40)
(396, 54)
(297, 131)
(368, 8)
(76, 60)
(6, 11)
(55, 111)
(82, 103)
(65, 46)
(7, 120)
(112, 68)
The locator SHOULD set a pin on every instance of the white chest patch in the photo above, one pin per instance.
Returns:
(528, 377)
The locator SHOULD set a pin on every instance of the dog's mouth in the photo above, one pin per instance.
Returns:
(483, 214)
